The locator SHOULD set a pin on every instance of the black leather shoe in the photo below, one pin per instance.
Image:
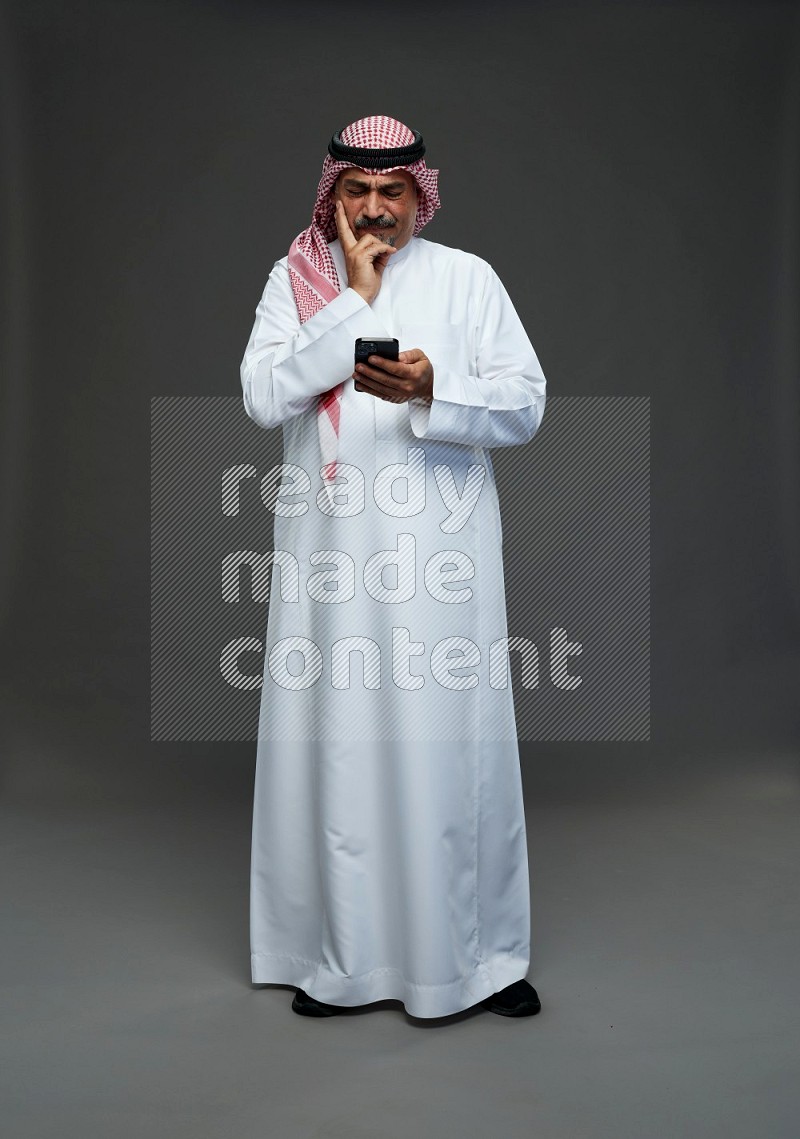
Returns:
(517, 999)
(307, 1006)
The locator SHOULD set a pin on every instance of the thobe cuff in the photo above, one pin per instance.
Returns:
(461, 412)
(451, 414)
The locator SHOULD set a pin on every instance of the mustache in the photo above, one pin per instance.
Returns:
(382, 222)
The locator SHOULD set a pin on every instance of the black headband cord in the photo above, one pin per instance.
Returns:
(377, 159)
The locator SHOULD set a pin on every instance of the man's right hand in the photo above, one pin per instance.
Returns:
(366, 257)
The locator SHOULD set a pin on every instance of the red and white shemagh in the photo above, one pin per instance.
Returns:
(312, 272)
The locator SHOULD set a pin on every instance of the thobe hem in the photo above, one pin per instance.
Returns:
(389, 983)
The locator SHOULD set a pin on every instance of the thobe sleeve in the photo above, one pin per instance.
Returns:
(502, 402)
(288, 365)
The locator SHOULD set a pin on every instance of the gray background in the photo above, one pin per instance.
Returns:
(631, 171)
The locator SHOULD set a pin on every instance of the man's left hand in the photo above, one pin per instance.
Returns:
(408, 377)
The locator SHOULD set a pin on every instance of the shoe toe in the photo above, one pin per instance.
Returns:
(308, 1006)
(517, 999)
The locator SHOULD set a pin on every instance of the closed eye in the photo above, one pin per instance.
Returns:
(385, 194)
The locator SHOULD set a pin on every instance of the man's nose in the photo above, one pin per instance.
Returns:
(374, 206)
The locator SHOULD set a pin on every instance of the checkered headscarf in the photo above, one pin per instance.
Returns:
(311, 268)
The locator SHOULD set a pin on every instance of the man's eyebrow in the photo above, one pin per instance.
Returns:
(360, 184)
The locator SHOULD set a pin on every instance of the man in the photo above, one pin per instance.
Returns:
(389, 856)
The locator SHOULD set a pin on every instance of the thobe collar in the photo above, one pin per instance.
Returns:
(401, 254)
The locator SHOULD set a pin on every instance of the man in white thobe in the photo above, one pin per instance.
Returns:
(389, 856)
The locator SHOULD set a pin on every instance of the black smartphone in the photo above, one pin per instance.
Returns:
(386, 346)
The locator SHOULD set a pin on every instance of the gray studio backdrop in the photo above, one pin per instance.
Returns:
(631, 172)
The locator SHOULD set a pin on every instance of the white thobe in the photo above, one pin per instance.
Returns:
(389, 855)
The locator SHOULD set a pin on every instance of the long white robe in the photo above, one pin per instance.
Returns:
(389, 855)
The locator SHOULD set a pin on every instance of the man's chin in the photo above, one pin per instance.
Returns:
(376, 231)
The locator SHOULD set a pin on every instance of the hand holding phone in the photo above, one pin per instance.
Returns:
(408, 375)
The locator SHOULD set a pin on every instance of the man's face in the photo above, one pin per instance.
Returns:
(383, 204)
